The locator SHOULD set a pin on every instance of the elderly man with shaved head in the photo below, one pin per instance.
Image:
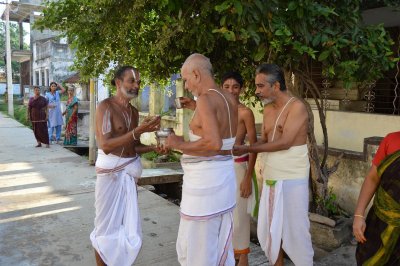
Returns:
(209, 186)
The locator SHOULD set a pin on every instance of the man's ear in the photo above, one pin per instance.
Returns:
(196, 74)
(277, 86)
(118, 82)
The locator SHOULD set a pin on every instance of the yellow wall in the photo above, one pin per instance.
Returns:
(347, 130)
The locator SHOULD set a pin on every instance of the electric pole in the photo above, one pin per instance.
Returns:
(10, 88)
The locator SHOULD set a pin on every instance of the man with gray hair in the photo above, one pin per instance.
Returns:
(117, 235)
(209, 182)
(283, 223)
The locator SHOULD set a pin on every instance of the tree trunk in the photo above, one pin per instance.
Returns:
(318, 171)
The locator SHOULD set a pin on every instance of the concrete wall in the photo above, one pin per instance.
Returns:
(61, 60)
(347, 180)
(58, 60)
(347, 130)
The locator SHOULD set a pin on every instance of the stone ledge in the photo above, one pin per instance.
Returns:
(328, 238)
(354, 155)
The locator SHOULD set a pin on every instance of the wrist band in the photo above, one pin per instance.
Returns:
(133, 134)
(358, 215)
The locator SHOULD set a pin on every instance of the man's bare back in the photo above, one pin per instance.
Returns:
(215, 103)
(246, 117)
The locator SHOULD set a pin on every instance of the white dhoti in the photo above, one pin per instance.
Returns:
(206, 242)
(117, 236)
(208, 199)
(283, 219)
(244, 208)
(283, 214)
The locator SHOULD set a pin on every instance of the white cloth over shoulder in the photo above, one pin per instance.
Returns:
(117, 235)
(284, 218)
(287, 164)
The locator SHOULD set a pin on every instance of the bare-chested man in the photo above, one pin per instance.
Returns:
(244, 167)
(117, 236)
(232, 82)
(209, 187)
(283, 222)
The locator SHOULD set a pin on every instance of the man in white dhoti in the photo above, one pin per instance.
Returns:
(209, 186)
(283, 222)
(247, 189)
(117, 236)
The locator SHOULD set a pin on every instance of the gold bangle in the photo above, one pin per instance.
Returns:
(358, 215)
(133, 134)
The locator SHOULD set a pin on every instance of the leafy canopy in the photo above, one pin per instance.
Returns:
(157, 36)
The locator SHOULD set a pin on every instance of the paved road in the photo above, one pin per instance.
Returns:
(46, 206)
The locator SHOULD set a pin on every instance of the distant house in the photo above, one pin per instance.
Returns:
(49, 58)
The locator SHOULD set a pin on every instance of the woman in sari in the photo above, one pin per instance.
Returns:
(37, 114)
(71, 119)
(379, 234)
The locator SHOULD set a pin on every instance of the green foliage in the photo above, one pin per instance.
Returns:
(3, 106)
(20, 112)
(152, 156)
(329, 204)
(157, 36)
(154, 36)
(64, 97)
(291, 33)
(14, 39)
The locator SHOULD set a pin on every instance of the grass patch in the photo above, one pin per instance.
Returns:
(3, 107)
(20, 112)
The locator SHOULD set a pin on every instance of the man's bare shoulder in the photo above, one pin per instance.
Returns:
(105, 103)
(203, 100)
(298, 106)
(211, 100)
(269, 108)
(245, 112)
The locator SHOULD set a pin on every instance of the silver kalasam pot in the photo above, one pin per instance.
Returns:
(163, 134)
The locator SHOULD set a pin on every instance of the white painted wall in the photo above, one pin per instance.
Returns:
(347, 130)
